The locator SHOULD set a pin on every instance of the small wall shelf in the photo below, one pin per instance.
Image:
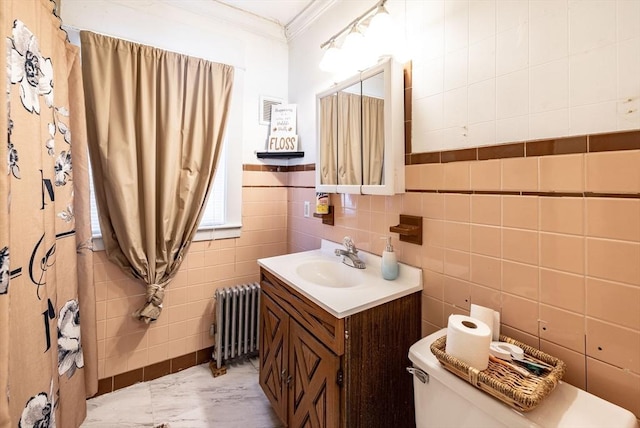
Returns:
(279, 155)
(410, 229)
(326, 218)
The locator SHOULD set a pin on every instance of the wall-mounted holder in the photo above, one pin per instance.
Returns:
(410, 229)
(326, 218)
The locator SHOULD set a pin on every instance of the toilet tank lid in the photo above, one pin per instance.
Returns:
(565, 406)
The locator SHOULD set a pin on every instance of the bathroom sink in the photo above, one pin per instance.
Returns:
(341, 290)
(328, 273)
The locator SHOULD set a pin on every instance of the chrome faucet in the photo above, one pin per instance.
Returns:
(350, 255)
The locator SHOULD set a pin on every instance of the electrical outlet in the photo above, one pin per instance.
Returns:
(307, 208)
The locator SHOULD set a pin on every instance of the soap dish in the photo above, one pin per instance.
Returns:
(523, 393)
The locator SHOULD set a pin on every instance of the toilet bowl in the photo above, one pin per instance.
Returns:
(444, 400)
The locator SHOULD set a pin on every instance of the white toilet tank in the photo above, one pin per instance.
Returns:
(445, 400)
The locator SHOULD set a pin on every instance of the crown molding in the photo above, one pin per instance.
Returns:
(233, 16)
(307, 17)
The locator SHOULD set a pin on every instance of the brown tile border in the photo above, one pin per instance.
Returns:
(501, 151)
(183, 362)
(421, 158)
(501, 192)
(153, 371)
(459, 155)
(561, 146)
(127, 379)
(612, 141)
(407, 138)
(300, 168)
(554, 194)
(104, 386)
(252, 167)
(407, 69)
(611, 195)
(408, 105)
(204, 355)
(544, 194)
(420, 191)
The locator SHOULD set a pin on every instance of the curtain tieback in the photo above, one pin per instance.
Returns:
(155, 293)
(151, 310)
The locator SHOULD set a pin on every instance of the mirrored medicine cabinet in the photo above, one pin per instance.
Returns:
(360, 125)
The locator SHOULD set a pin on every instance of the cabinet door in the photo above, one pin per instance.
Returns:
(274, 337)
(314, 394)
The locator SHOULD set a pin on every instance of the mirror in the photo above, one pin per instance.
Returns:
(361, 133)
(349, 117)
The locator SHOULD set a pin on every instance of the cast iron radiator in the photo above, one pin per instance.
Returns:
(237, 318)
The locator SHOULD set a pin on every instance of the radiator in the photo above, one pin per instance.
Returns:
(237, 318)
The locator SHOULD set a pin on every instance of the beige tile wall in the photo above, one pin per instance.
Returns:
(563, 271)
(125, 344)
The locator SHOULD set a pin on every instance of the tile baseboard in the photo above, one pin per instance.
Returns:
(153, 371)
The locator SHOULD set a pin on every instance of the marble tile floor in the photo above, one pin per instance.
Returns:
(192, 398)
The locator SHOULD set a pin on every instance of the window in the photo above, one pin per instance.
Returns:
(216, 211)
(223, 214)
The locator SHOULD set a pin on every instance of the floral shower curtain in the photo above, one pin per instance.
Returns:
(48, 356)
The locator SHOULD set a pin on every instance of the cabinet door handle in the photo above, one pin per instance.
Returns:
(286, 379)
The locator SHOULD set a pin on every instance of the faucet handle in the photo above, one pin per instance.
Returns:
(349, 244)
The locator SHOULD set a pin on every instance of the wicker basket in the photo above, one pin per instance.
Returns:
(523, 393)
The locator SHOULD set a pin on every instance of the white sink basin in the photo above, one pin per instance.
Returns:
(329, 273)
(341, 290)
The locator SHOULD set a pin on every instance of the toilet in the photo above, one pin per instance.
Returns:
(444, 400)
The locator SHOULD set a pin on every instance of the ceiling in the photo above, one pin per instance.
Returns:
(282, 12)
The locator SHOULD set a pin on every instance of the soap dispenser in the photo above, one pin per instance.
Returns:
(389, 263)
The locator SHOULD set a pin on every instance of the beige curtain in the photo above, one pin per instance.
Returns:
(349, 138)
(155, 126)
(372, 140)
(328, 139)
(48, 358)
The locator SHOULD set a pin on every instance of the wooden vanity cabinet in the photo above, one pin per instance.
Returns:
(321, 371)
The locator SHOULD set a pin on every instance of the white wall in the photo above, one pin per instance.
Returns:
(258, 50)
(496, 71)
(484, 71)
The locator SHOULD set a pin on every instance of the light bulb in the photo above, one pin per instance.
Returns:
(354, 41)
(331, 59)
(380, 33)
(357, 54)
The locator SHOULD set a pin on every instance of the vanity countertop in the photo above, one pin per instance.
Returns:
(341, 290)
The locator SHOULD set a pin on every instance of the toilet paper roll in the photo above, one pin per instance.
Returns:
(483, 314)
(468, 339)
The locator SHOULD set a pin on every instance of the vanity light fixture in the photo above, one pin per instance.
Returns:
(331, 59)
(362, 46)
